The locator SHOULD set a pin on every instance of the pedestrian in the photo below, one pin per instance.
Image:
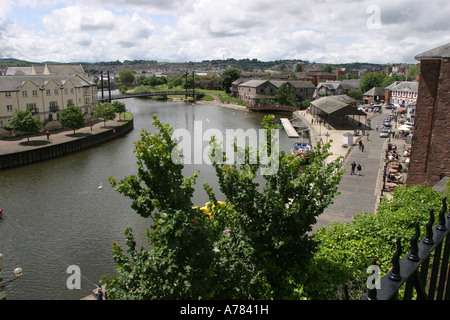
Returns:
(98, 293)
(360, 144)
(359, 169)
(362, 147)
(367, 136)
(353, 168)
(48, 134)
(377, 128)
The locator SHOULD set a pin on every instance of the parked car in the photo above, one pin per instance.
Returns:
(409, 124)
(387, 124)
(384, 133)
(390, 107)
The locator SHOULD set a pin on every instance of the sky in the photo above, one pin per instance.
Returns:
(321, 31)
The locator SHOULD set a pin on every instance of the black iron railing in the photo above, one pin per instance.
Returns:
(423, 273)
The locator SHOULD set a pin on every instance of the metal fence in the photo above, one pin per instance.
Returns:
(422, 274)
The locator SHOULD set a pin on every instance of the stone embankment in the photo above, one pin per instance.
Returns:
(18, 151)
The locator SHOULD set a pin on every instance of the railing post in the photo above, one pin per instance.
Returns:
(413, 255)
(394, 273)
(429, 236)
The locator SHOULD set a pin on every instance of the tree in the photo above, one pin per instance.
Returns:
(105, 111)
(328, 68)
(370, 80)
(228, 76)
(251, 246)
(119, 107)
(126, 76)
(345, 250)
(355, 94)
(25, 122)
(72, 118)
(285, 95)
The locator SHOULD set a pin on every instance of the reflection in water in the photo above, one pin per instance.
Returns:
(55, 216)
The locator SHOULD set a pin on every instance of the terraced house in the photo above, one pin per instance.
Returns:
(252, 91)
(45, 93)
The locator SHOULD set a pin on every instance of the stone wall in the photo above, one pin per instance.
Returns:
(61, 149)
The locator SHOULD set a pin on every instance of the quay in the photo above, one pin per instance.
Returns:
(290, 130)
(17, 151)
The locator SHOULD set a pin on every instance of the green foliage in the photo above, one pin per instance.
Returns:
(355, 94)
(346, 250)
(72, 118)
(119, 107)
(25, 122)
(285, 95)
(252, 246)
(228, 76)
(126, 76)
(375, 79)
(105, 111)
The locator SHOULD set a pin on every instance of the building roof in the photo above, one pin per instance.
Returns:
(407, 86)
(338, 105)
(47, 69)
(13, 83)
(253, 83)
(376, 91)
(436, 53)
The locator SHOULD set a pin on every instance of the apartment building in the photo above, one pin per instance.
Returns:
(45, 95)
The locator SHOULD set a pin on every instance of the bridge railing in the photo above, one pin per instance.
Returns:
(424, 272)
(115, 96)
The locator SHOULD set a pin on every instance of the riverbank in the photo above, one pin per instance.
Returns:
(17, 151)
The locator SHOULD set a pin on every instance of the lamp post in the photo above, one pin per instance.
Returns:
(17, 273)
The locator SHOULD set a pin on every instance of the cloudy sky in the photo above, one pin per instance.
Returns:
(327, 31)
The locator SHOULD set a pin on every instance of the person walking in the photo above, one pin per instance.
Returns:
(48, 134)
(362, 147)
(359, 169)
(352, 172)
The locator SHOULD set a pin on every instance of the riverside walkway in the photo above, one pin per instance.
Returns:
(357, 193)
(60, 142)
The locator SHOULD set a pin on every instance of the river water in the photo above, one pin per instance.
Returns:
(55, 215)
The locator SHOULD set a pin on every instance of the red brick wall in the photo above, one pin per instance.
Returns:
(430, 151)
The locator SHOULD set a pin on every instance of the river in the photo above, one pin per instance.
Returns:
(55, 215)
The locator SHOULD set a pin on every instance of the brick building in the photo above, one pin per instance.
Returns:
(430, 151)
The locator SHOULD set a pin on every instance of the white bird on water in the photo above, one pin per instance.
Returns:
(100, 186)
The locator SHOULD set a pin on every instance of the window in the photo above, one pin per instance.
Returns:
(47, 92)
(53, 106)
(9, 108)
(35, 93)
(70, 102)
(32, 107)
(56, 92)
(7, 94)
(24, 94)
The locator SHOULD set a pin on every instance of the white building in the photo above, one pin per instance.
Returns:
(402, 93)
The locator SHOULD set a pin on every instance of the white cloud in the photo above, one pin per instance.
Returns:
(195, 30)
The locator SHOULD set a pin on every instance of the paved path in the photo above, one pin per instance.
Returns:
(357, 193)
(18, 144)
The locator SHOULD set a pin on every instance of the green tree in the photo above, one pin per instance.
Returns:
(355, 94)
(252, 246)
(328, 68)
(72, 118)
(285, 95)
(105, 111)
(345, 250)
(25, 122)
(119, 107)
(126, 76)
(370, 80)
(227, 78)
